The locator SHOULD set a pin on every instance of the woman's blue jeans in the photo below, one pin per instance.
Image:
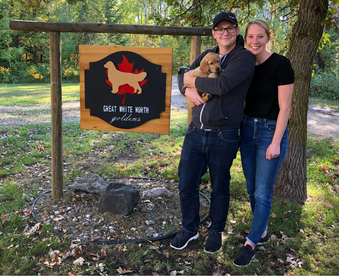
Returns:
(260, 173)
(217, 150)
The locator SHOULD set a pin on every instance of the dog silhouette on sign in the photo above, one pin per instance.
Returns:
(118, 78)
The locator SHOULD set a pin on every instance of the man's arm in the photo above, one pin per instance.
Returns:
(238, 70)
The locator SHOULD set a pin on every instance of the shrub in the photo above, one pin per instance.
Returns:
(34, 74)
(5, 75)
(70, 73)
(28, 73)
(325, 85)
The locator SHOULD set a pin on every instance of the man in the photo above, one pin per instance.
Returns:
(212, 139)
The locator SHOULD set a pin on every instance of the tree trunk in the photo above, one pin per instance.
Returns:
(306, 34)
(146, 12)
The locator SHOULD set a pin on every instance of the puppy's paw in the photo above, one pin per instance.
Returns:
(213, 75)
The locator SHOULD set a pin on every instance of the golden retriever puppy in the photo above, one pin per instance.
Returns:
(209, 67)
(118, 78)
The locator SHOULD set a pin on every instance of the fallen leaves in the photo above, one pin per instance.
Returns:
(8, 247)
(327, 171)
(78, 254)
(290, 262)
(123, 271)
(166, 254)
(278, 263)
(4, 220)
(79, 261)
(175, 272)
(121, 248)
(55, 258)
(328, 205)
(32, 228)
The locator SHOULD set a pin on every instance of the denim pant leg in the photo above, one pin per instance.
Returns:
(221, 152)
(260, 173)
(191, 167)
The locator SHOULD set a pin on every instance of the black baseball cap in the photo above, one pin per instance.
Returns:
(224, 16)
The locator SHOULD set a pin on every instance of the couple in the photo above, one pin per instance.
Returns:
(264, 81)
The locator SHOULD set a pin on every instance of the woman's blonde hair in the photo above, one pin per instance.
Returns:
(261, 23)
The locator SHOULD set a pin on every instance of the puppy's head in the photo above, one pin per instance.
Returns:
(210, 64)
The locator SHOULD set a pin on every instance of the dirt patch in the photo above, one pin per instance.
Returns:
(323, 121)
(77, 216)
(12, 116)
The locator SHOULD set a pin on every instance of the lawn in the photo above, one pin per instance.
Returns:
(34, 94)
(304, 236)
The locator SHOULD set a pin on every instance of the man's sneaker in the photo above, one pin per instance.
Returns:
(182, 239)
(262, 241)
(245, 255)
(213, 243)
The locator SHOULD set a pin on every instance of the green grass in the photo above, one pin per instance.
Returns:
(307, 234)
(33, 94)
(326, 103)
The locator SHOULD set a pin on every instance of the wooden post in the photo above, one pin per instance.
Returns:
(56, 115)
(195, 47)
(195, 52)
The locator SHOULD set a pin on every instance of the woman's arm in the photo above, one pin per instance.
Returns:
(284, 100)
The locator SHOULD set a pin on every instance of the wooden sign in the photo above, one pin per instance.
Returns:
(125, 88)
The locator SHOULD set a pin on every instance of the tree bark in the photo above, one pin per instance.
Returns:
(306, 34)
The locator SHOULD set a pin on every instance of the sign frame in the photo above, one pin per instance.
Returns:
(160, 56)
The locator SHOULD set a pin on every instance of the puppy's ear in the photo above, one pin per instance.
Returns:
(204, 65)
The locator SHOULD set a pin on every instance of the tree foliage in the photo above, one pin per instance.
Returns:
(25, 54)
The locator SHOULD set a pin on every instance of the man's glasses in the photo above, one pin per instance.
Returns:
(230, 30)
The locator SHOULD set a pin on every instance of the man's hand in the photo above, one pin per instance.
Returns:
(193, 95)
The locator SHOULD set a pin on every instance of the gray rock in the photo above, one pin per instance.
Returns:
(90, 183)
(161, 191)
(118, 199)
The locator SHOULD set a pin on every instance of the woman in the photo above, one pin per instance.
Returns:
(264, 132)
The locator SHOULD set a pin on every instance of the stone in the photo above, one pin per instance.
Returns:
(90, 183)
(118, 199)
(161, 191)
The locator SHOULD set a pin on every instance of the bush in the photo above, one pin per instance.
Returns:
(34, 74)
(31, 73)
(325, 85)
(5, 75)
(70, 73)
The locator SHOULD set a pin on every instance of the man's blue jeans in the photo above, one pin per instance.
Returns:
(260, 173)
(215, 149)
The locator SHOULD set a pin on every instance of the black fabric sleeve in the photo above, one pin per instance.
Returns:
(285, 73)
(239, 68)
